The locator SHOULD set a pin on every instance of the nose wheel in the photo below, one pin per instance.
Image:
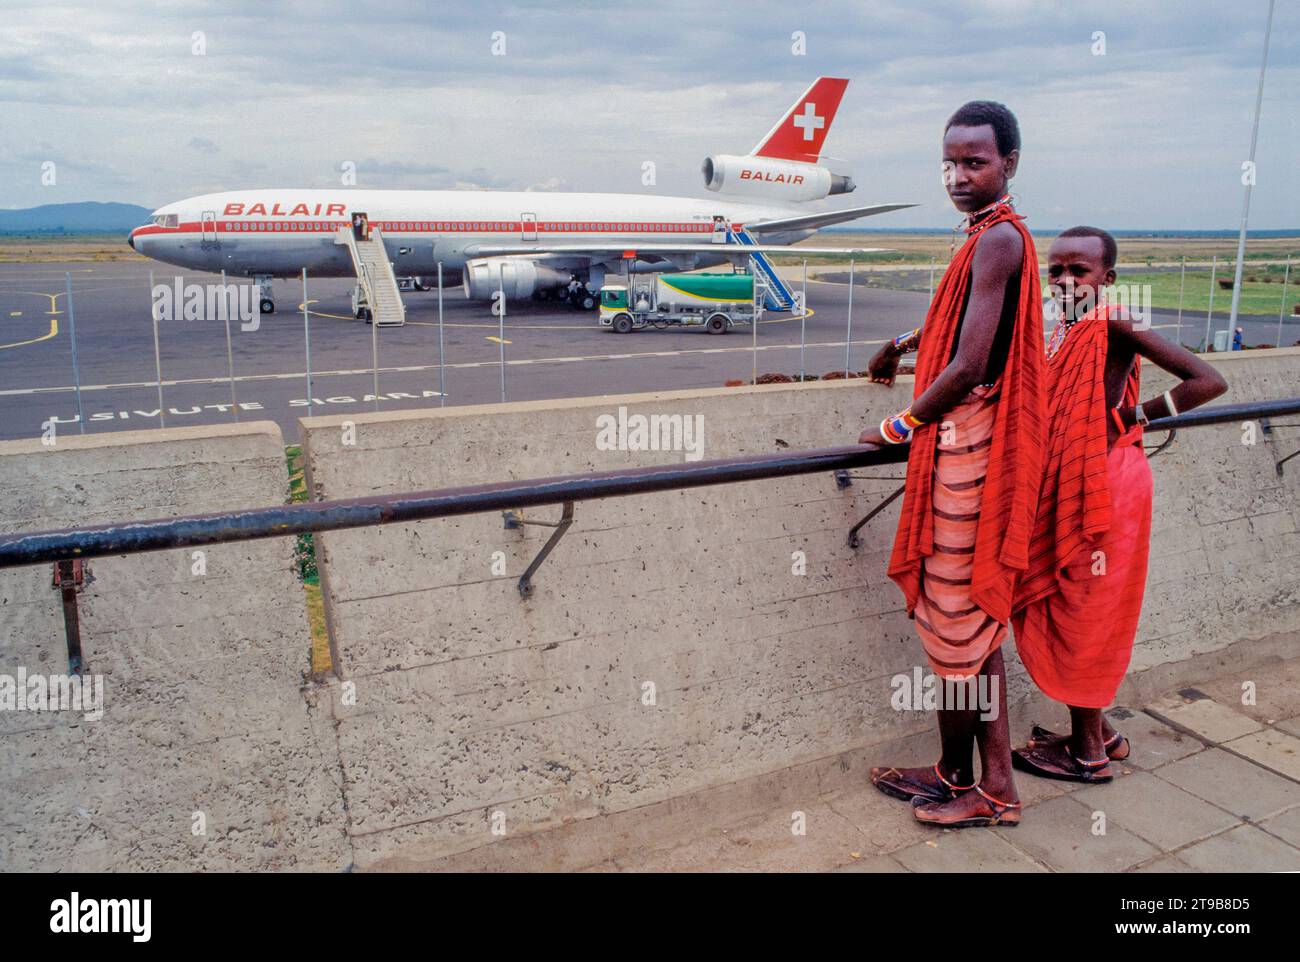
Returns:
(267, 306)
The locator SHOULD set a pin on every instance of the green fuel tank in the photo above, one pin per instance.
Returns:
(703, 290)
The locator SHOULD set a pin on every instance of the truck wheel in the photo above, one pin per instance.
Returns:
(717, 323)
(623, 324)
(586, 300)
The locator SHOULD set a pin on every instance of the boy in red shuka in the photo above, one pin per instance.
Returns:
(1077, 606)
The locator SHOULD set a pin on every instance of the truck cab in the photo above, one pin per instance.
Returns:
(615, 312)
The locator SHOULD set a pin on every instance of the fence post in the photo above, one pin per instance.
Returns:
(230, 357)
(848, 330)
(374, 352)
(157, 355)
(1281, 312)
(306, 337)
(72, 333)
(803, 321)
(1182, 284)
(442, 364)
(501, 343)
(1214, 269)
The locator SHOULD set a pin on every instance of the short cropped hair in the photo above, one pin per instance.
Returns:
(1109, 249)
(977, 113)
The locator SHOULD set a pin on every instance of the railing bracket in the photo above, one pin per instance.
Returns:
(515, 519)
(69, 577)
(853, 532)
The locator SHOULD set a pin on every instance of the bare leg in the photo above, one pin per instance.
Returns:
(993, 736)
(1087, 741)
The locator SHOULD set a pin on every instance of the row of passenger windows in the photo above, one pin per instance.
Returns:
(451, 227)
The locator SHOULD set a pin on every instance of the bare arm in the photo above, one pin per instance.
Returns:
(1200, 381)
(997, 258)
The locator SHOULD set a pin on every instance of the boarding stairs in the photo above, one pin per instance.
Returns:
(777, 295)
(375, 277)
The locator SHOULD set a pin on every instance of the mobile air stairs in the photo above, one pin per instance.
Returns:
(777, 295)
(376, 296)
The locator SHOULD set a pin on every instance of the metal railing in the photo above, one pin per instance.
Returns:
(43, 547)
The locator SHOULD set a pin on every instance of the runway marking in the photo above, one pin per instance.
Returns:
(337, 317)
(54, 330)
(498, 340)
(15, 313)
(418, 368)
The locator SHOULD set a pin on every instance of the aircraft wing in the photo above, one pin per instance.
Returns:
(822, 219)
(603, 251)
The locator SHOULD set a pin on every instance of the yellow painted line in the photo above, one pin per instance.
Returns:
(54, 331)
(338, 317)
(15, 313)
(498, 340)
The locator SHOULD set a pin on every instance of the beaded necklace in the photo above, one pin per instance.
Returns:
(976, 221)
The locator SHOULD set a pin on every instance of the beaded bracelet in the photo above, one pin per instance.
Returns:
(897, 429)
(906, 343)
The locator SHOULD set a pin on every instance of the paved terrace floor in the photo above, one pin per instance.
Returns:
(1211, 785)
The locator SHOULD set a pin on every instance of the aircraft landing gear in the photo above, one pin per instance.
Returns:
(267, 295)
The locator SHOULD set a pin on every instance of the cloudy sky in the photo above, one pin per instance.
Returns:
(132, 106)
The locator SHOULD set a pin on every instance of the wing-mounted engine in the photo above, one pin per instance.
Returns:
(772, 179)
(517, 277)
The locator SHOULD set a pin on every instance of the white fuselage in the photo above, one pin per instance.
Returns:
(280, 233)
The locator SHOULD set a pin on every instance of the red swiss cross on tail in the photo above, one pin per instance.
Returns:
(799, 135)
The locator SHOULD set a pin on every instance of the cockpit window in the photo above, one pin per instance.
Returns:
(167, 220)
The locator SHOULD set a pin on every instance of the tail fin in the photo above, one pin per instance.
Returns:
(799, 135)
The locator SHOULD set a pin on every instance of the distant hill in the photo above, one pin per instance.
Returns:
(87, 217)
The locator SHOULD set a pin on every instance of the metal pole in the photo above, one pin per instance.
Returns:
(374, 353)
(306, 337)
(803, 321)
(753, 324)
(501, 344)
(931, 278)
(1245, 203)
(1182, 282)
(442, 379)
(1214, 269)
(230, 357)
(72, 333)
(1281, 311)
(157, 356)
(848, 331)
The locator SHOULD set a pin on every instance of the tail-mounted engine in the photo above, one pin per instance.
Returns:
(772, 179)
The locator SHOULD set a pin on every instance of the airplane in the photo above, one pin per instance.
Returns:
(522, 243)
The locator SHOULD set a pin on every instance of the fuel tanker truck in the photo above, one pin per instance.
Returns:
(711, 301)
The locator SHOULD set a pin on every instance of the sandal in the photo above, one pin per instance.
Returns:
(1000, 813)
(897, 785)
(1117, 746)
(1063, 767)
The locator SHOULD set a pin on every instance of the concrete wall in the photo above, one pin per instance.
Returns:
(460, 707)
(466, 708)
(203, 707)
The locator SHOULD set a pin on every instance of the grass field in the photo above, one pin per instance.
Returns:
(1261, 290)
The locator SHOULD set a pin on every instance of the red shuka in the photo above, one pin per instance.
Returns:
(1077, 607)
(1075, 503)
(1016, 457)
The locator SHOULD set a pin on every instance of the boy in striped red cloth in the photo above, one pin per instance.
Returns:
(976, 425)
(1077, 606)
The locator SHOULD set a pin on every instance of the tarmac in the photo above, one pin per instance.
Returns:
(549, 351)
